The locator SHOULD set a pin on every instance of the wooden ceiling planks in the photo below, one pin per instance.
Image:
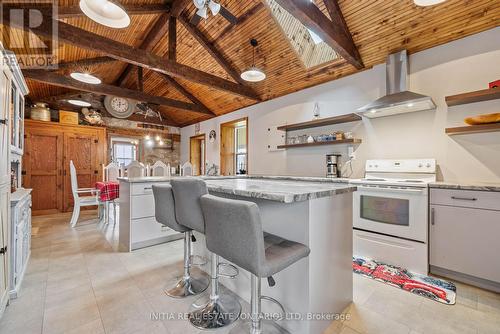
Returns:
(377, 27)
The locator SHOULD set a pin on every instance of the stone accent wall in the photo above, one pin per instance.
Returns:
(146, 154)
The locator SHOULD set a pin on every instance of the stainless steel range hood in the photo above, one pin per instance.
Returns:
(398, 99)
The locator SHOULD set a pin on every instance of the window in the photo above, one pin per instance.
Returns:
(124, 153)
(240, 158)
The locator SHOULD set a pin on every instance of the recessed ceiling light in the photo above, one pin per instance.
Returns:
(425, 3)
(79, 103)
(106, 12)
(86, 77)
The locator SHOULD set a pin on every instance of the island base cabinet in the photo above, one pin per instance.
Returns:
(464, 244)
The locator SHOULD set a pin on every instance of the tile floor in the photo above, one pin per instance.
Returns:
(77, 283)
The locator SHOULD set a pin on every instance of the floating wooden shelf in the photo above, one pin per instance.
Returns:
(321, 122)
(321, 143)
(471, 97)
(462, 130)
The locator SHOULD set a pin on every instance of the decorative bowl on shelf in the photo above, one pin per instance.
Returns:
(483, 119)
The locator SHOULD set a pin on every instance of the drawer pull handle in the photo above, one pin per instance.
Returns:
(3, 250)
(464, 198)
(148, 188)
(433, 216)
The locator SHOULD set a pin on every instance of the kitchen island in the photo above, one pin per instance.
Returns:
(314, 211)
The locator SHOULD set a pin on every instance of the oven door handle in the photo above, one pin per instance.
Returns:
(393, 190)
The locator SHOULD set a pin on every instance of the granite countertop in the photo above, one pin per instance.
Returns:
(285, 189)
(479, 186)
(281, 190)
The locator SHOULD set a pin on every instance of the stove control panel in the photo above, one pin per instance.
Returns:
(401, 165)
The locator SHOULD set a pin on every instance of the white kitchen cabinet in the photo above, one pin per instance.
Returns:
(138, 226)
(20, 238)
(464, 236)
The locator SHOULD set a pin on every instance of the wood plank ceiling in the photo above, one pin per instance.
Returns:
(377, 28)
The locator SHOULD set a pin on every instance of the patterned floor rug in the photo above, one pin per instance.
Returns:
(429, 287)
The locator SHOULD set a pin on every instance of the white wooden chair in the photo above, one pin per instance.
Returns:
(135, 169)
(111, 172)
(160, 169)
(79, 200)
(187, 169)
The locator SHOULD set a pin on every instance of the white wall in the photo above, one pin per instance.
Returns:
(461, 66)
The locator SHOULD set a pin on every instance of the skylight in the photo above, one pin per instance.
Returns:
(308, 46)
(316, 39)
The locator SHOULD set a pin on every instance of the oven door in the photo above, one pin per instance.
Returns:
(398, 212)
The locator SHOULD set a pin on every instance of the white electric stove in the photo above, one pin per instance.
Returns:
(390, 212)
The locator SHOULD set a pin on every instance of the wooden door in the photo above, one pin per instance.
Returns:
(227, 150)
(197, 154)
(81, 148)
(42, 164)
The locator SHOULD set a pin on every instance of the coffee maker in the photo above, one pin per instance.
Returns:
(333, 165)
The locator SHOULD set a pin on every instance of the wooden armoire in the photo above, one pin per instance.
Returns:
(49, 147)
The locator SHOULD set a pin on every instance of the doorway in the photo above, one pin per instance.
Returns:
(197, 154)
(234, 147)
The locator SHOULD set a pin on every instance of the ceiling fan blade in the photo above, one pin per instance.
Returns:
(228, 15)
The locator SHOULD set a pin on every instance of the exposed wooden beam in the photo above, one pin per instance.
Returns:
(140, 79)
(84, 39)
(82, 63)
(178, 6)
(212, 50)
(184, 91)
(157, 31)
(55, 79)
(172, 38)
(242, 19)
(228, 15)
(332, 6)
(64, 12)
(334, 32)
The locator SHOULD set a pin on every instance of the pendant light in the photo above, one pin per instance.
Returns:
(425, 3)
(106, 12)
(86, 78)
(253, 74)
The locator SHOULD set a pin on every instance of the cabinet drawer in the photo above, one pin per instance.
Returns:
(465, 240)
(466, 198)
(148, 229)
(142, 206)
(143, 188)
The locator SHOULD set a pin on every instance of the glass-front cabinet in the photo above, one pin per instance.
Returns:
(17, 120)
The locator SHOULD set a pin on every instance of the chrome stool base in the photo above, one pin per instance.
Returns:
(193, 285)
(206, 313)
(266, 327)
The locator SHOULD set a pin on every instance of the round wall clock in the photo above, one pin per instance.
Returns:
(119, 107)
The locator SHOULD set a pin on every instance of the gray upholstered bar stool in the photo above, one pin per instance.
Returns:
(216, 310)
(234, 231)
(191, 283)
